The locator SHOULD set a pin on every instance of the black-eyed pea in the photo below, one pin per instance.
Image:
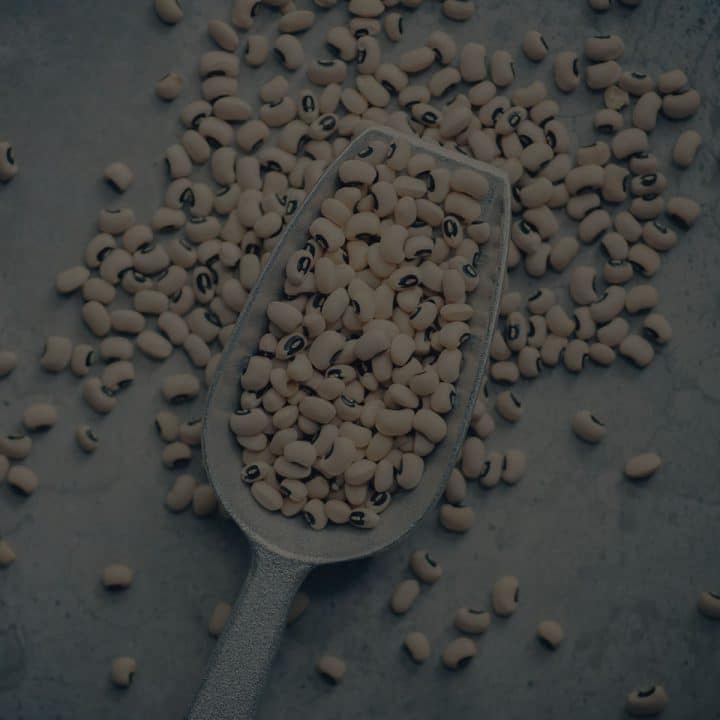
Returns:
(83, 357)
(492, 470)
(456, 518)
(645, 701)
(471, 621)
(686, 147)
(628, 226)
(552, 349)
(86, 438)
(587, 427)
(176, 454)
(585, 178)
(331, 668)
(550, 633)
(565, 70)
(98, 397)
(602, 48)
(709, 605)
(617, 272)
(169, 11)
(8, 362)
(534, 46)
(683, 210)
(123, 669)
(459, 652)
(266, 495)
(641, 298)
(559, 322)
(610, 304)
(528, 362)
(117, 576)
(456, 488)
(404, 596)
(642, 466)
(601, 354)
(505, 596)
(537, 331)
(657, 328)
(614, 189)
(22, 479)
(602, 75)
(513, 467)
(637, 349)
(7, 554)
(680, 106)
(582, 285)
(204, 501)
(585, 326)
(615, 98)
(180, 387)
(218, 619)
(579, 207)
(629, 142)
(593, 225)
(509, 406)
(424, 567)
(505, 372)
(15, 447)
(608, 121)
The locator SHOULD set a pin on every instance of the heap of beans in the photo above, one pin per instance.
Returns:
(347, 392)
(188, 270)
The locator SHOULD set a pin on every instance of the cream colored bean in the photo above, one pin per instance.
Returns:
(39, 416)
(266, 495)
(505, 596)
(117, 576)
(629, 142)
(637, 349)
(550, 634)
(404, 596)
(417, 646)
(686, 148)
(7, 554)
(15, 447)
(642, 466)
(331, 668)
(514, 466)
(587, 427)
(168, 87)
(56, 354)
(471, 621)
(223, 35)
(8, 362)
(709, 605)
(424, 567)
(218, 619)
(682, 105)
(646, 701)
(22, 479)
(534, 46)
(204, 501)
(565, 68)
(458, 519)
(458, 652)
(86, 438)
(180, 388)
(9, 167)
(176, 454)
(123, 669)
(683, 211)
(602, 48)
(657, 328)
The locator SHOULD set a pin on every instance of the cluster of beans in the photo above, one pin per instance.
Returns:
(188, 271)
(348, 389)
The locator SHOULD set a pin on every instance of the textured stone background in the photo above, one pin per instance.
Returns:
(619, 564)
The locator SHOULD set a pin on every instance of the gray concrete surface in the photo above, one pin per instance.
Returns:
(618, 564)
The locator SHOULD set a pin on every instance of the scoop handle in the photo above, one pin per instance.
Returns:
(244, 653)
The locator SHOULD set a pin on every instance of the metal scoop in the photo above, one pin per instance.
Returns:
(285, 550)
